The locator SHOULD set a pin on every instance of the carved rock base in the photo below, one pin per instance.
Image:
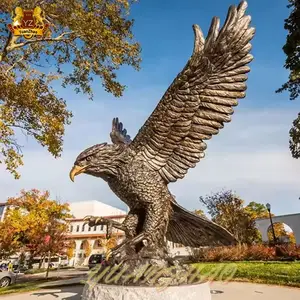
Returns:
(115, 292)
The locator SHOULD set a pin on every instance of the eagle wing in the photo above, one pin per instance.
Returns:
(201, 98)
(119, 134)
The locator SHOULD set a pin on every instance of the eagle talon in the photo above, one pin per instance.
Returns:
(90, 220)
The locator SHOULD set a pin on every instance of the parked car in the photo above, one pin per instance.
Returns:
(95, 259)
(7, 278)
(3, 266)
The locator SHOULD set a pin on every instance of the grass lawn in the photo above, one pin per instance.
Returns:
(279, 273)
(22, 287)
(28, 286)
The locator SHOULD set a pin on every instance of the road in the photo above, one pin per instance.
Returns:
(72, 273)
(220, 291)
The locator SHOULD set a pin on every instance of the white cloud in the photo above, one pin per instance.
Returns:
(250, 156)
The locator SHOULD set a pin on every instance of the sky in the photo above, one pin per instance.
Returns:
(249, 156)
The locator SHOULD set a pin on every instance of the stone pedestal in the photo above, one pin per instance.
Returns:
(115, 292)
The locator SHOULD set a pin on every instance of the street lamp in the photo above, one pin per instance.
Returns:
(271, 220)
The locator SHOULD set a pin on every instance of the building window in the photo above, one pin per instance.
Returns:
(89, 228)
(83, 227)
(77, 229)
(102, 227)
(71, 228)
(95, 228)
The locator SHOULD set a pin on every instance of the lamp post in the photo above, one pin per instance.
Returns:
(271, 220)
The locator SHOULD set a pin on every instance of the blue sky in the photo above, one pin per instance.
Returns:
(250, 155)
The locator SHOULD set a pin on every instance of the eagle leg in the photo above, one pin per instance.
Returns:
(129, 226)
(150, 241)
(94, 221)
(118, 251)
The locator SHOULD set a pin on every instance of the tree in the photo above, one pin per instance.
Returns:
(108, 244)
(71, 250)
(257, 210)
(292, 63)
(9, 243)
(291, 237)
(295, 138)
(227, 209)
(87, 40)
(36, 223)
(87, 248)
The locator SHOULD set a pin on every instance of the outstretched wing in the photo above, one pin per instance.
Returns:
(200, 100)
(119, 134)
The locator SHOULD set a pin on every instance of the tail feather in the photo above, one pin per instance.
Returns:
(191, 230)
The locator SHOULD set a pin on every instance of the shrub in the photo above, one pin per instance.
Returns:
(290, 251)
(246, 253)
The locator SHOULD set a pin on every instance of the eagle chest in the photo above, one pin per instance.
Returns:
(133, 183)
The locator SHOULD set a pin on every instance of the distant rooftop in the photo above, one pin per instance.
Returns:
(93, 208)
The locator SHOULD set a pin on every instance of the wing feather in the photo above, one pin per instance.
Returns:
(200, 99)
(119, 134)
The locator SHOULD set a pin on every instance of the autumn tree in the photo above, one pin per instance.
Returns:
(71, 249)
(87, 40)
(292, 63)
(87, 248)
(37, 223)
(108, 244)
(227, 209)
(9, 242)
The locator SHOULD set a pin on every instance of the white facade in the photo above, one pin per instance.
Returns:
(83, 235)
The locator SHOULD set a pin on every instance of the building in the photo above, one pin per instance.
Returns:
(2, 211)
(86, 239)
(291, 220)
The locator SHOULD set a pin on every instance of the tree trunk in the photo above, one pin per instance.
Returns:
(41, 261)
(30, 261)
(48, 267)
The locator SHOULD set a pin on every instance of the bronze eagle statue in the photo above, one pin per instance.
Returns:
(193, 109)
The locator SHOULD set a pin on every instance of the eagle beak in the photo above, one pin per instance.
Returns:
(76, 170)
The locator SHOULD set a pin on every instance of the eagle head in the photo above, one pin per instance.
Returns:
(97, 160)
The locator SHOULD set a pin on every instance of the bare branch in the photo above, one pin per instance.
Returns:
(23, 128)
(11, 67)
(59, 38)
